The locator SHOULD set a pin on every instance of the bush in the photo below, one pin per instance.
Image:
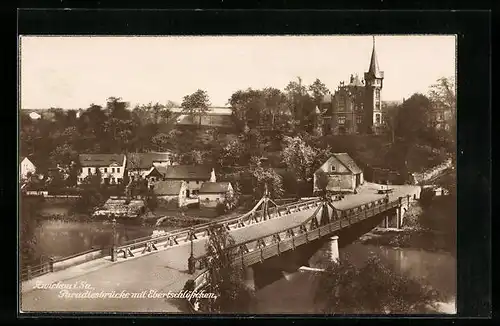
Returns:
(189, 285)
(220, 208)
(373, 288)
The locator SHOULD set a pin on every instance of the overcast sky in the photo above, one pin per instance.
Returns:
(73, 72)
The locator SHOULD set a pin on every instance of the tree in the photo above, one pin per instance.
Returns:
(299, 157)
(196, 104)
(226, 280)
(318, 91)
(373, 288)
(262, 177)
(322, 181)
(151, 200)
(390, 119)
(413, 118)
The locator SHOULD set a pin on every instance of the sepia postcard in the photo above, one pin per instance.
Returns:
(238, 174)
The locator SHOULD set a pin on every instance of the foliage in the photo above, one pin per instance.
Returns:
(373, 288)
(226, 280)
(262, 177)
(28, 220)
(322, 181)
(196, 104)
(151, 200)
(299, 157)
(318, 91)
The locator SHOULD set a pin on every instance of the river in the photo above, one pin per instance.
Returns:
(294, 293)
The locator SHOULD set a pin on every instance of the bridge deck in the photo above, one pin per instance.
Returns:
(162, 271)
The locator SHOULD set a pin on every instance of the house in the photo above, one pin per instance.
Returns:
(355, 107)
(26, 167)
(171, 193)
(193, 175)
(343, 173)
(111, 167)
(34, 116)
(213, 193)
(142, 164)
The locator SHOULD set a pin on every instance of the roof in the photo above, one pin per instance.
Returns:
(354, 81)
(374, 69)
(188, 172)
(100, 159)
(348, 162)
(211, 110)
(214, 187)
(169, 187)
(145, 160)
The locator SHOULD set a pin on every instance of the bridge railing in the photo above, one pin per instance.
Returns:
(256, 250)
(306, 231)
(149, 244)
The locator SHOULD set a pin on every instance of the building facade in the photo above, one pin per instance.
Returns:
(213, 193)
(171, 193)
(356, 107)
(26, 167)
(343, 174)
(110, 166)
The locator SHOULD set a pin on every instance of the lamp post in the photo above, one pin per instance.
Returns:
(191, 260)
(113, 248)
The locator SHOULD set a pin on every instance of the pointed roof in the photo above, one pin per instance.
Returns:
(374, 70)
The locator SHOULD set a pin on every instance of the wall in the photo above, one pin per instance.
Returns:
(212, 202)
(171, 201)
(109, 173)
(26, 167)
(431, 173)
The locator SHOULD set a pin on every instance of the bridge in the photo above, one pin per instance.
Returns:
(160, 265)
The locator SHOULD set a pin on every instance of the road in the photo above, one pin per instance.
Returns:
(162, 271)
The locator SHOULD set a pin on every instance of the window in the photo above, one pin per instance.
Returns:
(358, 119)
(341, 103)
(332, 168)
(153, 179)
(377, 118)
(119, 180)
(118, 170)
(440, 116)
(113, 170)
(90, 170)
(105, 170)
(377, 95)
(81, 170)
(113, 180)
(197, 182)
(341, 120)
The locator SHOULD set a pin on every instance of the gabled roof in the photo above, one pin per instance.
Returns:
(214, 187)
(169, 187)
(95, 160)
(145, 160)
(188, 172)
(348, 162)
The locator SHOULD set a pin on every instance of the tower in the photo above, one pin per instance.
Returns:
(373, 102)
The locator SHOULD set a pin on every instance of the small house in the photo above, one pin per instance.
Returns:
(142, 164)
(26, 167)
(193, 175)
(171, 193)
(110, 166)
(343, 173)
(213, 193)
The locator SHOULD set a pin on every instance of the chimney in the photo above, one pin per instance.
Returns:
(212, 176)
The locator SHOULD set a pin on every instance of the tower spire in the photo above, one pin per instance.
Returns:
(374, 69)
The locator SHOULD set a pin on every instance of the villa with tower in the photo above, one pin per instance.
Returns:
(356, 107)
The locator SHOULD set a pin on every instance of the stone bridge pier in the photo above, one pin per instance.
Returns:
(271, 270)
(394, 218)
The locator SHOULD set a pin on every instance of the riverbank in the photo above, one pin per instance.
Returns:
(430, 227)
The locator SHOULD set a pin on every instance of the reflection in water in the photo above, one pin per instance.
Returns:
(295, 292)
(62, 238)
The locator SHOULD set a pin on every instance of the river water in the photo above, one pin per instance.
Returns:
(294, 293)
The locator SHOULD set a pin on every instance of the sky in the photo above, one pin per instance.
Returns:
(75, 71)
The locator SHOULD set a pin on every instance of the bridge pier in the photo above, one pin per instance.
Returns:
(249, 276)
(334, 248)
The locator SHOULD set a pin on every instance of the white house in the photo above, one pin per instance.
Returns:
(343, 173)
(213, 193)
(34, 116)
(26, 167)
(111, 166)
(171, 193)
(142, 164)
(193, 175)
